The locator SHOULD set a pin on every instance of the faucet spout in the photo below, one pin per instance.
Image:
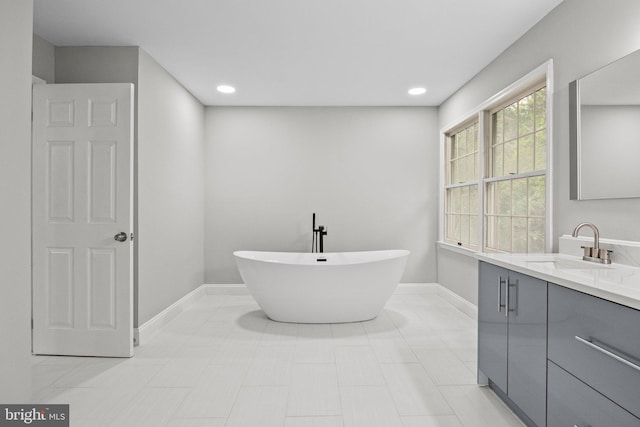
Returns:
(596, 234)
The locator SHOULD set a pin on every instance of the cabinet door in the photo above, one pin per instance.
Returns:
(527, 354)
(492, 324)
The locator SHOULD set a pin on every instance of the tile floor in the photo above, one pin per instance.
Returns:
(223, 363)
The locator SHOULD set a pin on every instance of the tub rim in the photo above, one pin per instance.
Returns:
(311, 258)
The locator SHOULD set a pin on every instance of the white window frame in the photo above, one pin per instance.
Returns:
(542, 73)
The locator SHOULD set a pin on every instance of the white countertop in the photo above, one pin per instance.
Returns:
(615, 282)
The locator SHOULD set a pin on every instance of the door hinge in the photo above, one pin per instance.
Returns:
(32, 323)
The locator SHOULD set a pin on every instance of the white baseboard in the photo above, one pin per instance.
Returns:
(457, 301)
(148, 329)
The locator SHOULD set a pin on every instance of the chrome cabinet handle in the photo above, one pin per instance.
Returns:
(515, 285)
(500, 304)
(608, 351)
(506, 311)
(120, 237)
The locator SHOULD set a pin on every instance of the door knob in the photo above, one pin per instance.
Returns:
(120, 237)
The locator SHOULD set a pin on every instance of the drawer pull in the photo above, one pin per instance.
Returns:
(591, 342)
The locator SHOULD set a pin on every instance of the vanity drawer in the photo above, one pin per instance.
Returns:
(570, 402)
(598, 342)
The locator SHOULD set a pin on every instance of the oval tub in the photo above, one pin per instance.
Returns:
(321, 287)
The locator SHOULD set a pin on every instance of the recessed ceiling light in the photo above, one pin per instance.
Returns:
(417, 91)
(226, 89)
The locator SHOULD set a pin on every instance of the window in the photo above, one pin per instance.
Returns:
(515, 187)
(461, 191)
(503, 169)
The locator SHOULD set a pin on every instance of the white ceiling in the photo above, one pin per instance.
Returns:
(303, 52)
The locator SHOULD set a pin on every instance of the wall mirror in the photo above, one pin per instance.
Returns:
(605, 131)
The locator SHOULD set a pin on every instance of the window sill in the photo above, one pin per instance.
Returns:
(457, 249)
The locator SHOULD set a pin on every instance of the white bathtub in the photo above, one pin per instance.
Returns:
(301, 288)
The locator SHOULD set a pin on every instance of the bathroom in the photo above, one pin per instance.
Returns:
(391, 199)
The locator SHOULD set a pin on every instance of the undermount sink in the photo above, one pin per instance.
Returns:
(569, 264)
(564, 262)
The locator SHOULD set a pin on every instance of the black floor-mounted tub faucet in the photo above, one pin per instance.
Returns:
(318, 236)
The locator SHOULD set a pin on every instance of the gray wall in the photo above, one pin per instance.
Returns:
(370, 174)
(169, 193)
(581, 36)
(170, 190)
(16, 21)
(96, 64)
(106, 64)
(44, 59)
(459, 273)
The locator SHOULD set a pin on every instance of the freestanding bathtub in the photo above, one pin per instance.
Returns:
(321, 287)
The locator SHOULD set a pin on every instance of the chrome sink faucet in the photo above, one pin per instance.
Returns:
(593, 254)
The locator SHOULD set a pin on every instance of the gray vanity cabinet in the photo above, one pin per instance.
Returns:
(597, 342)
(512, 337)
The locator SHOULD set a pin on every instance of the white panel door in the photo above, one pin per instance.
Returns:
(82, 204)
